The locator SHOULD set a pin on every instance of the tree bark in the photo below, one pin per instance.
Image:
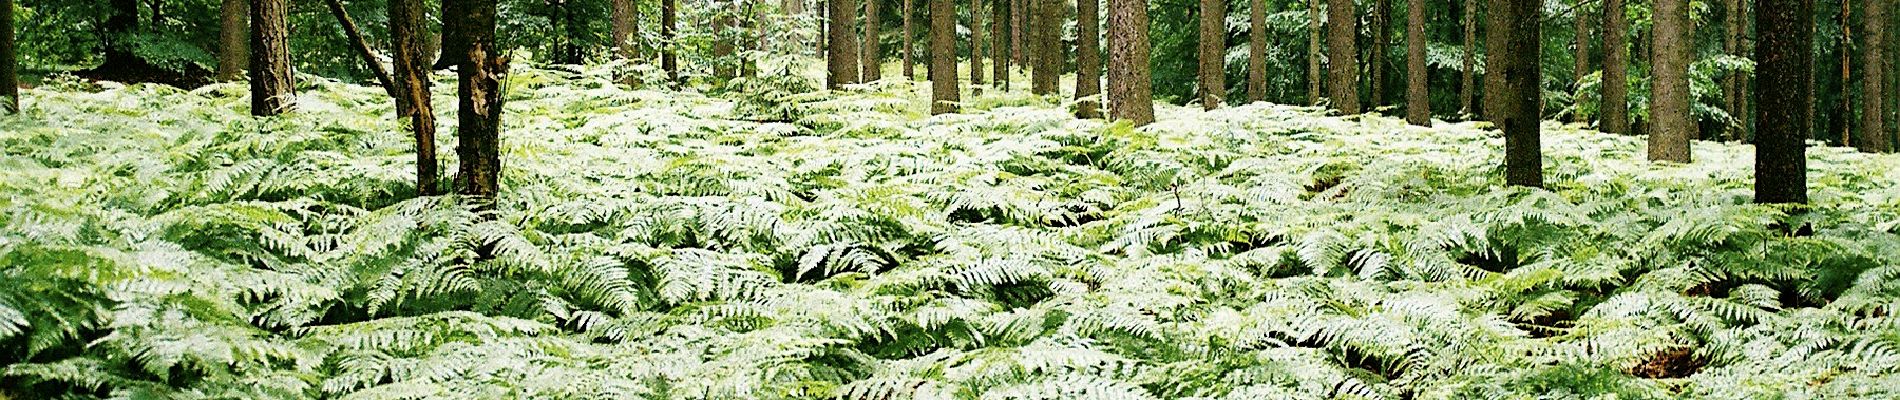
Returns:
(669, 25)
(234, 48)
(999, 43)
(724, 46)
(1018, 14)
(625, 31)
(1669, 101)
(872, 53)
(976, 43)
(453, 48)
(1581, 61)
(1381, 38)
(1516, 104)
(1213, 50)
(1784, 62)
(1468, 79)
(361, 45)
(413, 106)
(1615, 107)
(1343, 55)
(943, 57)
(1845, 106)
(1088, 59)
(1418, 101)
(479, 117)
(9, 62)
(842, 54)
(910, 38)
(1313, 47)
(1048, 57)
(1257, 51)
(1732, 45)
(1130, 86)
(273, 89)
(1873, 78)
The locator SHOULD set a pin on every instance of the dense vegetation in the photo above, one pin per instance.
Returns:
(776, 243)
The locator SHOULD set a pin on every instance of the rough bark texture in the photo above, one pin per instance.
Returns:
(1048, 52)
(1213, 53)
(479, 118)
(1342, 55)
(361, 45)
(406, 28)
(1381, 37)
(234, 47)
(453, 48)
(841, 55)
(1616, 59)
(1418, 101)
(1257, 51)
(272, 86)
(999, 43)
(625, 31)
(1873, 78)
(1088, 59)
(943, 57)
(1516, 105)
(976, 43)
(1581, 61)
(1313, 48)
(872, 53)
(1130, 86)
(1784, 64)
(1468, 79)
(910, 40)
(669, 25)
(1669, 97)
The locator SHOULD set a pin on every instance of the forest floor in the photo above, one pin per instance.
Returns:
(671, 245)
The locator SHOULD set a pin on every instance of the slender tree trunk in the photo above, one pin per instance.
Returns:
(479, 118)
(625, 31)
(1088, 59)
(453, 48)
(1468, 79)
(1130, 86)
(1732, 45)
(1785, 63)
(1418, 101)
(1048, 57)
(1213, 53)
(412, 87)
(872, 53)
(1381, 38)
(273, 90)
(361, 45)
(1669, 102)
(723, 49)
(1582, 59)
(910, 38)
(976, 44)
(1257, 51)
(1313, 48)
(1516, 104)
(9, 62)
(1873, 91)
(1343, 55)
(669, 25)
(999, 43)
(1018, 16)
(1846, 106)
(1615, 116)
(842, 55)
(234, 48)
(943, 57)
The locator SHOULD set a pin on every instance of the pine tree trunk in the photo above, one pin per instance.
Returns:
(910, 39)
(1048, 53)
(273, 90)
(842, 54)
(1381, 37)
(724, 48)
(943, 57)
(1257, 51)
(1669, 100)
(1616, 60)
(1845, 106)
(1784, 64)
(1313, 47)
(1088, 59)
(478, 120)
(1130, 86)
(1342, 55)
(1213, 50)
(872, 53)
(1516, 100)
(453, 48)
(1018, 16)
(9, 62)
(976, 44)
(625, 31)
(1468, 79)
(406, 27)
(669, 24)
(1732, 45)
(999, 43)
(357, 42)
(234, 48)
(1873, 78)
(1582, 59)
(1418, 101)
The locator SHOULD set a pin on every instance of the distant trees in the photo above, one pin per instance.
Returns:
(1784, 65)
(1342, 55)
(841, 52)
(1130, 88)
(1672, 129)
(1213, 53)
(1514, 97)
(273, 89)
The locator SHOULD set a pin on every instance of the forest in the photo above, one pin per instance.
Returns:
(949, 199)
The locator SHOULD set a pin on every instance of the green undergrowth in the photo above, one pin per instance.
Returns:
(769, 243)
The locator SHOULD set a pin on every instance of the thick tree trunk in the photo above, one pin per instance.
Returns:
(669, 25)
(479, 117)
(1468, 79)
(1088, 59)
(453, 48)
(9, 62)
(1669, 100)
(999, 43)
(1873, 78)
(1213, 50)
(1418, 101)
(234, 47)
(976, 44)
(1048, 57)
(1581, 61)
(361, 45)
(1784, 63)
(1616, 60)
(625, 31)
(1130, 86)
(1516, 104)
(910, 39)
(1342, 54)
(1381, 38)
(1313, 47)
(842, 54)
(943, 57)
(1257, 51)
(273, 88)
(871, 55)
(413, 106)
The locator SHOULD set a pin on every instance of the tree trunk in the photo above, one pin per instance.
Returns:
(361, 45)
(1582, 59)
(1732, 45)
(1845, 106)
(669, 24)
(453, 48)
(1468, 82)
(1669, 101)
(999, 43)
(910, 38)
(234, 48)
(273, 90)
(625, 31)
(1342, 55)
(872, 53)
(1784, 62)
(1516, 104)
(1616, 60)
(479, 117)
(842, 54)
(1130, 86)
(1048, 57)
(1313, 48)
(1381, 37)
(943, 57)
(723, 46)
(1257, 51)
(9, 62)
(413, 106)
(1213, 52)
(1088, 59)
(1418, 101)
(1873, 92)
(976, 44)
(1018, 15)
